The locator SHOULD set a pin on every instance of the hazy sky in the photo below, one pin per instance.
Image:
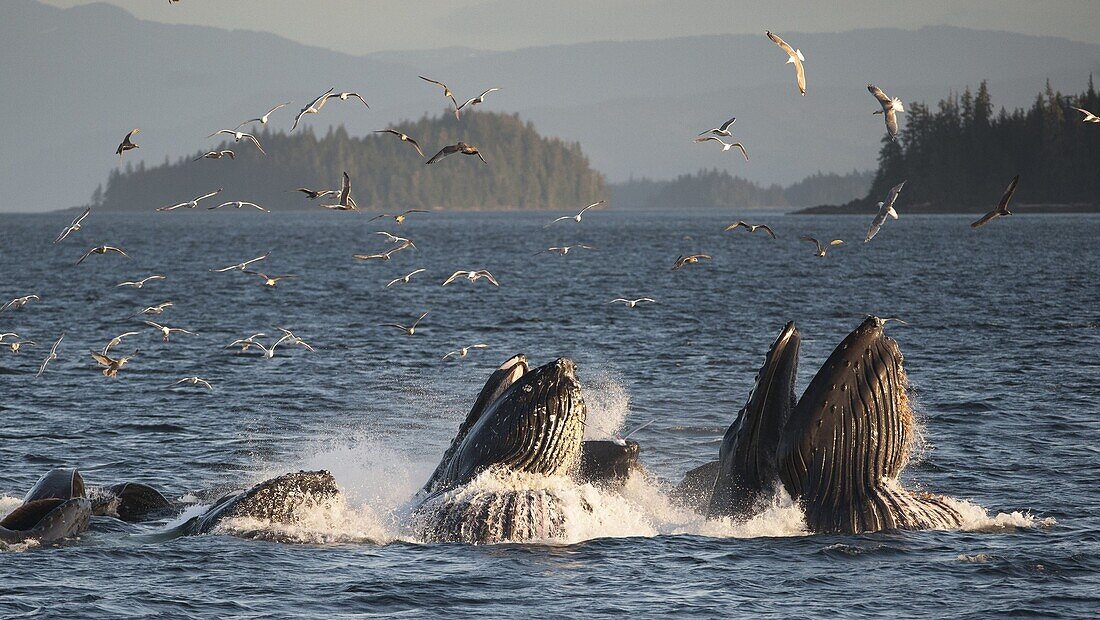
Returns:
(361, 26)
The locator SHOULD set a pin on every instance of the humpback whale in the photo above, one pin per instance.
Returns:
(838, 450)
(56, 507)
(277, 500)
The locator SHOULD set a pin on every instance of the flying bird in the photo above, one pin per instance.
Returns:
(117, 340)
(74, 226)
(885, 209)
(751, 227)
(239, 135)
(314, 194)
(404, 279)
(721, 130)
(289, 337)
(166, 331)
(399, 218)
(111, 365)
(410, 330)
(313, 107)
(239, 204)
(127, 143)
(1002, 207)
(463, 351)
(103, 249)
(51, 357)
(190, 204)
(632, 302)
(139, 283)
(404, 138)
(216, 155)
(480, 99)
(577, 218)
(196, 382)
(269, 280)
(793, 56)
(241, 266)
(821, 248)
(15, 345)
(263, 119)
(890, 109)
(1089, 116)
(157, 309)
(18, 303)
(392, 238)
(472, 276)
(461, 147)
(725, 145)
(246, 343)
(446, 91)
(684, 261)
(345, 97)
(562, 251)
(344, 202)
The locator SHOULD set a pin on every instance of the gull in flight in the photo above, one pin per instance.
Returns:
(345, 97)
(241, 266)
(216, 155)
(463, 351)
(195, 381)
(157, 309)
(385, 255)
(1089, 116)
(112, 365)
(127, 144)
(269, 280)
(884, 209)
(239, 204)
(290, 338)
(821, 248)
(190, 204)
(632, 302)
(246, 343)
(472, 276)
(725, 145)
(1001, 209)
(18, 303)
(446, 91)
(314, 194)
(461, 147)
(691, 259)
(721, 130)
(410, 330)
(480, 99)
(751, 227)
(239, 135)
(51, 357)
(577, 218)
(404, 279)
(890, 109)
(15, 345)
(139, 283)
(74, 226)
(313, 107)
(344, 202)
(117, 340)
(103, 249)
(263, 119)
(399, 218)
(562, 251)
(404, 138)
(166, 331)
(793, 56)
(392, 238)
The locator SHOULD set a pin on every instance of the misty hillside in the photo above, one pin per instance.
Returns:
(76, 80)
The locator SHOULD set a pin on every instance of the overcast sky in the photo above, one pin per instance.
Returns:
(362, 26)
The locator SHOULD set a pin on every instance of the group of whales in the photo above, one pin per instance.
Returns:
(837, 452)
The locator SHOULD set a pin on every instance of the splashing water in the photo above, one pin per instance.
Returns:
(608, 405)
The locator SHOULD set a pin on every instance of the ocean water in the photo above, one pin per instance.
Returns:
(1001, 349)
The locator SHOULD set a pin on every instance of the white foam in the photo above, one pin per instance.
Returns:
(608, 405)
(978, 519)
(8, 504)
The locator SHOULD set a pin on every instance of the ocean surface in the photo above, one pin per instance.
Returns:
(1001, 348)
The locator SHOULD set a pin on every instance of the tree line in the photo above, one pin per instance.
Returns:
(718, 188)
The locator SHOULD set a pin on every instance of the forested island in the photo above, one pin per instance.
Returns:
(960, 156)
(525, 170)
(718, 188)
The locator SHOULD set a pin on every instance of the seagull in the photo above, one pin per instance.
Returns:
(399, 218)
(446, 91)
(289, 337)
(393, 238)
(751, 227)
(313, 107)
(195, 381)
(385, 255)
(460, 147)
(722, 130)
(239, 135)
(190, 204)
(74, 226)
(239, 204)
(167, 331)
(480, 99)
(140, 283)
(632, 302)
(157, 309)
(472, 276)
(103, 249)
(216, 155)
(314, 194)
(1089, 116)
(18, 303)
(241, 266)
(577, 218)
(683, 261)
(463, 351)
(269, 352)
(404, 138)
(246, 343)
(127, 144)
(884, 209)
(263, 119)
(725, 145)
(562, 251)
(345, 202)
(117, 340)
(345, 97)
(269, 280)
(1002, 207)
(793, 56)
(410, 330)
(821, 248)
(51, 357)
(890, 109)
(403, 279)
(111, 365)
(15, 345)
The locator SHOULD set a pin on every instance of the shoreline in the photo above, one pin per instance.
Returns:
(929, 209)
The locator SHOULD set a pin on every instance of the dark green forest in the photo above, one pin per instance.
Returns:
(960, 155)
(718, 188)
(525, 170)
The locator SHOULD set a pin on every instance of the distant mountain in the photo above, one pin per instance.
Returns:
(76, 80)
(525, 170)
(715, 188)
